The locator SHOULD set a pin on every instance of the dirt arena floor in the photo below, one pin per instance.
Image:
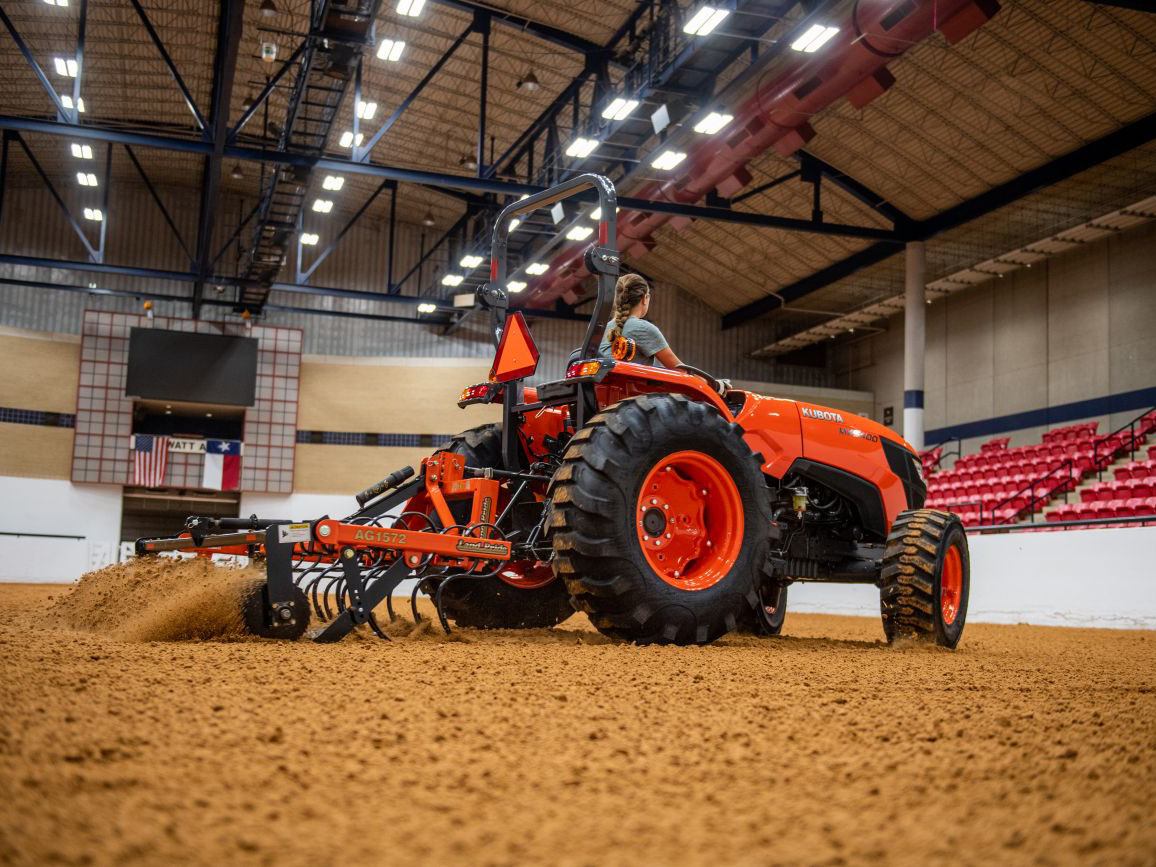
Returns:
(1026, 746)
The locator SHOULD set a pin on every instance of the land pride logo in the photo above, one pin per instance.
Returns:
(821, 414)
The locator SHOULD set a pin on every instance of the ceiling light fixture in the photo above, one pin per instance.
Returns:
(86, 179)
(706, 19)
(579, 233)
(93, 214)
(426, 307)
(582, 147)
(65, 67)
(309, 239)
(82, 151)
(66, 101)
(347, 139)
(515, 223)
(667, 160)
(366, 110)
(427, 219)
(529, 82)
(537, 268)
(236, 173)
(333, 182)
(268, 8)
(470, 261)
(516, 285)
(323, 206)
(712, 123)
(412, 8)
(56, 2)
(390, 49)
(620, 109)
(469, 163)
(452, 280)
(815, 38)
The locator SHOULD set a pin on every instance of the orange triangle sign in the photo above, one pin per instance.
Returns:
(517, 356)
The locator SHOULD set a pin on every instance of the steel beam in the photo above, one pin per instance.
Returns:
(542, 31)
(105, 191)
(81, 33)
(76, 227)
(482, 25)
(172, 67)
(855, 188)
(362, 154)
(230, 21)
(161, 205)
(269, 87)
(30, 59)
(1128, 137)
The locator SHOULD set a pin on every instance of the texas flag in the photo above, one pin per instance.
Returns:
(222, 465)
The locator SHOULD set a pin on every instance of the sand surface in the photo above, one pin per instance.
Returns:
(1025, 746)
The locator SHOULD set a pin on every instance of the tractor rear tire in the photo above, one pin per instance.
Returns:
(926, 578)
(654, 477)
(491, 603)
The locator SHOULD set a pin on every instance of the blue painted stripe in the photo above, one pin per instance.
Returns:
(12, 415)
(913, 399)
(1125, 401)
(357, 438)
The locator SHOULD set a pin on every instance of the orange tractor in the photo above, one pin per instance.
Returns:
(664, 504)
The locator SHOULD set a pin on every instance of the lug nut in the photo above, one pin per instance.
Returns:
(323, 530)
(668, 535)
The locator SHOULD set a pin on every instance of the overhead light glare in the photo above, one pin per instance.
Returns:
(333, 182)
(582, 147)
(815, 38)
(706, 19)
(580, 233)
(309, 239)
(427, 308)
(65, 66)
(93, 214)
(366, 110)
(667, 160)
(323, 206)
(57, 2)
(515, 223)
(712, 123)
(620, 109)
(66, 101)
(347, 139)
(452, 280)
(516, 285)
(412, 8)
(82, 151)
(390, 49)
(537, 268)
(596, 214)
(470, 261)
(86, 179)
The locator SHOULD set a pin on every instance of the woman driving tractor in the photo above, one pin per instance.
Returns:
(637, 340)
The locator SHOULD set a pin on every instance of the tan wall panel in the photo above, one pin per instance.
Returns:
(38, 372)
(324, 469)
(35, 451)
(402, 396)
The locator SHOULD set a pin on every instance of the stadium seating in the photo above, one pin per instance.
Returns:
(1001, 484)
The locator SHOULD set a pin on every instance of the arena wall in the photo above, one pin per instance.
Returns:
(1076, 334)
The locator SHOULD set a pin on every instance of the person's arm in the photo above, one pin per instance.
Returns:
(668, 358)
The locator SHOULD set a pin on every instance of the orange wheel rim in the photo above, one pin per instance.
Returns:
(689, 520)
(527, 576)
(951, 585)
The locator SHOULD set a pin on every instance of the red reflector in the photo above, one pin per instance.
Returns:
(517, 356)
(493, 270)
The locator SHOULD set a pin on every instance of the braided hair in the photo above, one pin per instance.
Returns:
(628, 292)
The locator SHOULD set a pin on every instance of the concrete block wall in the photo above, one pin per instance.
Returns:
(1076, 327)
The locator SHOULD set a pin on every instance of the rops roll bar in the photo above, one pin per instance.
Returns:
(602, 259)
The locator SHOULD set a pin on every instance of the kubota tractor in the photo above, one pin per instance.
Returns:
(665, 505)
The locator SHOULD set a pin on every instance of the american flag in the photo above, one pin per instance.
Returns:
(150, 456)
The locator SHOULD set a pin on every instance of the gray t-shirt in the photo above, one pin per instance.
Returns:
(646, 336)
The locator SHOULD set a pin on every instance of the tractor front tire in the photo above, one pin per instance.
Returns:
(660, 522)
(926, 578)
(494, 602)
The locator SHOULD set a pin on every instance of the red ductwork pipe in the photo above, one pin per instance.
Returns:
(852, 65)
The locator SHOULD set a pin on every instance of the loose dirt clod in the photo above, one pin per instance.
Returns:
(159, 599)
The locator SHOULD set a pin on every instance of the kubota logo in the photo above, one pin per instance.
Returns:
(821, 414)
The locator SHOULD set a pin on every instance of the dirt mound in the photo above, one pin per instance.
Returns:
(159, 599)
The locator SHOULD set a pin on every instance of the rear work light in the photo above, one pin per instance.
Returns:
(484, 392)
(583, 369)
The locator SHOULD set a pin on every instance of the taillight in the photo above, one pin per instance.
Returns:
(581, 369)
(484, 392)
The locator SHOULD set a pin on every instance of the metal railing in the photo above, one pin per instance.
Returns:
(1027, 526)
(1069, 482)
(1130, 426)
